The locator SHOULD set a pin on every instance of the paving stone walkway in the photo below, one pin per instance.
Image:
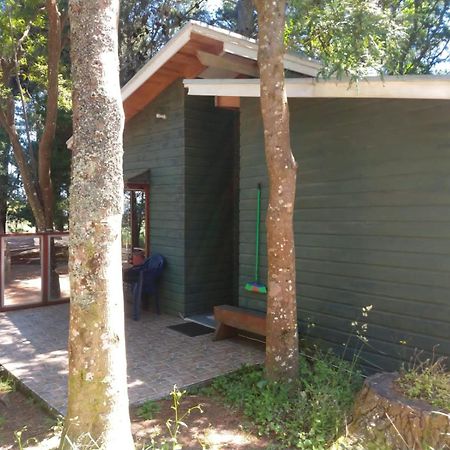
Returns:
(33, 347)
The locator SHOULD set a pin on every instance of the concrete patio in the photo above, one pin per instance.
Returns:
(33, 347)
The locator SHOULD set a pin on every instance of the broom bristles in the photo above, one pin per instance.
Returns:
(254, 286)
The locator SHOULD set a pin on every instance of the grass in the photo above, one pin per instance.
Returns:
(148, 410)
(427, 380)
(310, 414)
(6, 384)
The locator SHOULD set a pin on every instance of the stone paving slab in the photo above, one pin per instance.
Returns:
(33, 347)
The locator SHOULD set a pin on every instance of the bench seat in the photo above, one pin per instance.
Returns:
(231, 319)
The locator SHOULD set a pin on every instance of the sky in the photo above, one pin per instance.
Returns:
(214, 4)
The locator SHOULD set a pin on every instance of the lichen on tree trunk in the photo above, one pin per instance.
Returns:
(98, 399)
(282, 335)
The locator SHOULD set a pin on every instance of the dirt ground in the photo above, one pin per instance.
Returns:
(20, 413)
(217, 428)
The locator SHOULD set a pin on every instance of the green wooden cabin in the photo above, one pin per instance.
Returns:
(372, 216)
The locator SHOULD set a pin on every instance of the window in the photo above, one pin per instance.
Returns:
(135, 223)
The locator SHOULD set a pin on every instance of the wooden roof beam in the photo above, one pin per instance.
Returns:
(220, 62)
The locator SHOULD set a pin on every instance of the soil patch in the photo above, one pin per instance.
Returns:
(217, 428)
(18, 411)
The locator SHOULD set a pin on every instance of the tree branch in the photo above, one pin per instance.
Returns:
(48, 135)
(7, 123)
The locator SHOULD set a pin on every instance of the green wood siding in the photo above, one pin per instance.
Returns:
(158, 145)
(210, 151)
(372, 221)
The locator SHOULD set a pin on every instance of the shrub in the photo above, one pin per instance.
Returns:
(307, 414)
(427, 380)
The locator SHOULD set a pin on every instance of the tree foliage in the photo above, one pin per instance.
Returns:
(426, 24)
(356, 38)
(238, 16)
(34, 93)
(144, 27)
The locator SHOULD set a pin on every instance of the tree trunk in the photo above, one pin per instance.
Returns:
(48, 136)
(31, 191)
(98, 399)
(245, 19)
(39, 192)
(4, 150)
(282, 335)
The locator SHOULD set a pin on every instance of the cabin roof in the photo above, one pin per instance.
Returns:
(201, 51)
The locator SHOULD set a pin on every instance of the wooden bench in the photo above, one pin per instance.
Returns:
(231, 319)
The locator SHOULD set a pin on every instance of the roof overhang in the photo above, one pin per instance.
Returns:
(200, 51)
(407, 87)
(204, 51)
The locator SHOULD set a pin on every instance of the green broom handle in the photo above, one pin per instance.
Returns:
(258, 216)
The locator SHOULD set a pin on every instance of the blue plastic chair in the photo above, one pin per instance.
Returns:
(145, 280)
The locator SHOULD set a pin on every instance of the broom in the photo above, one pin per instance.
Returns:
(256, 286)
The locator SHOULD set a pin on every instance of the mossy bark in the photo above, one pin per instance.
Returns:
(98, 399)
(282, 337)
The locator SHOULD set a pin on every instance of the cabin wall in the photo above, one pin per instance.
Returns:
(158, 144)
(372, 222)
(210, 153)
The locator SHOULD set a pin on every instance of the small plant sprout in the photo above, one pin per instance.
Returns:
(174, 425)
(18, 438)
(366, 310)
(361, 327)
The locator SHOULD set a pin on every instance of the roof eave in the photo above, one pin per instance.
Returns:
(233, 43)
(406, 87)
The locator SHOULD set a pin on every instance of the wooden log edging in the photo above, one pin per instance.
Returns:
(382, 414)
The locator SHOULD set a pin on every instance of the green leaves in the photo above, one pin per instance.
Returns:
(357, 38)
(428, 380)
(148, 410)
(23, 50)
(145, 27)
(351, 37)
(306, 415)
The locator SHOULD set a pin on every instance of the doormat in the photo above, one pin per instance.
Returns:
(191, 329)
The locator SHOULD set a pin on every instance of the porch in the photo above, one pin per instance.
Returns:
(33, 347)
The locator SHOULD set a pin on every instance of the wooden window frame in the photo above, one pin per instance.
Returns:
(143, 187)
